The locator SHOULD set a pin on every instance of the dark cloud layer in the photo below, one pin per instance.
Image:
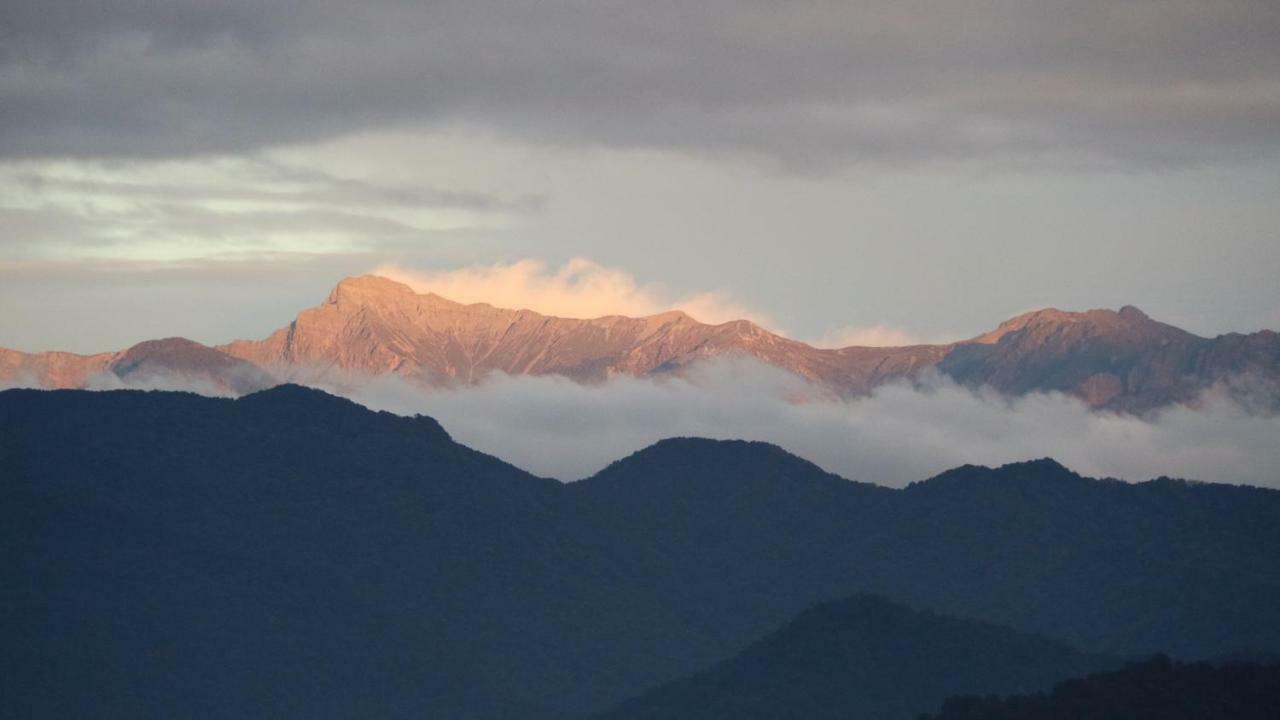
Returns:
(805, 84)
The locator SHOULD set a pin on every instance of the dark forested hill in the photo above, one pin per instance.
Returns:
(1165, 565)
(862, 657)
(293, 554)
(1154, 690)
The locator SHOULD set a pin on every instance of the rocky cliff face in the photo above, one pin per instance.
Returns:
(1120, 360)
(369, 325)
(374, 325)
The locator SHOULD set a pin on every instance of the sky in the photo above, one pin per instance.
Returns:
(871, 172)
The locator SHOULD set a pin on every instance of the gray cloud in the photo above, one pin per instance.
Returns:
(1087, 83)
(173, 209)
(300, 186)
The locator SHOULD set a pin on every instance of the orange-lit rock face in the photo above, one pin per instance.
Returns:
(1101, 388)
(372, 326)
(51, 369)
(162, 361)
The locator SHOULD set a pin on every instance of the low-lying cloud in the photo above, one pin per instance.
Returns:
(901, 433)
(580, 288)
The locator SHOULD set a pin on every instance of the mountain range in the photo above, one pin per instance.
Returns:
(1119, 360)
(291, 553)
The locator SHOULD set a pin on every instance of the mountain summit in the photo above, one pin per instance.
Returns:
(370, 325)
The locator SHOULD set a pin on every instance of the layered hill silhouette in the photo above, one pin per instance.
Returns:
(290, 553)
(370, 325)
(863, 657)
(1158, 689)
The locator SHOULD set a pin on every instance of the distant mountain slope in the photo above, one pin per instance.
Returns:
(862, 657)
(52, 369)
(160, 362)
(370, 325)
(374, 325)
(1122, 360)
(1154, 690)
(292, 553)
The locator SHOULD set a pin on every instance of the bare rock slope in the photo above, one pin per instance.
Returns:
(369, 325)
(374, 325)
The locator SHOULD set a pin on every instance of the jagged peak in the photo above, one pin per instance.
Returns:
(1127, 316)
(1133, 313)
(1020, 321)
(378, 290)
(367, 287)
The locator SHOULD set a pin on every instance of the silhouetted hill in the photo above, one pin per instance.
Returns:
(1110, 566)
(1072, 556)
(1154, 690)
(292, 553)
(862, 657)
(743, 535)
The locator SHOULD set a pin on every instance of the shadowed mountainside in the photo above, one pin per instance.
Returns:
(292, 553)
(371, 325)
(1157, 689)
(862, 657)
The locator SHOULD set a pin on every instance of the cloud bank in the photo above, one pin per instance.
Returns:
(804, 84)
(225, 208)
(901, 433)
(580, 288)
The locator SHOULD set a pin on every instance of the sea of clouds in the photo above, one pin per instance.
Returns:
(901, 433)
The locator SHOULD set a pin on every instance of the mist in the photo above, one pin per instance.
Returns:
(901, 433)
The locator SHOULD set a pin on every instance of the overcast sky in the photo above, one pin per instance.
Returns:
(848, 170)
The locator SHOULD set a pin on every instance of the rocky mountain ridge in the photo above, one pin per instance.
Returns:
(369, 325)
